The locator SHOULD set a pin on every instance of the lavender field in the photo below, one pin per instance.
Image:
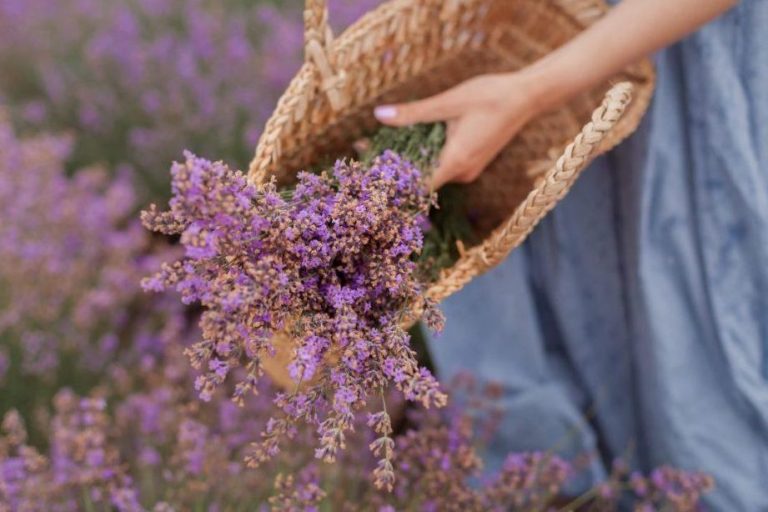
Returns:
(129, 375)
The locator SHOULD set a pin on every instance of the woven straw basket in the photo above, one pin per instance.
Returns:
(410, 49)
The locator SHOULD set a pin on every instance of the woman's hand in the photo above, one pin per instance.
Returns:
(484, 113)
(481, 115)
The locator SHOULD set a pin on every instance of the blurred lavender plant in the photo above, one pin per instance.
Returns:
(67, 255)
(138, 81)
(71, 310)
(162, 450)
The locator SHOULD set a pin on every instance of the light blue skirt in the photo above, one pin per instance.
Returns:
(634, 321)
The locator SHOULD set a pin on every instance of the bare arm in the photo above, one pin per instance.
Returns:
(484, 113)
(629, 32)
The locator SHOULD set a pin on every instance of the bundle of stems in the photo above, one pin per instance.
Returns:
(334, 261)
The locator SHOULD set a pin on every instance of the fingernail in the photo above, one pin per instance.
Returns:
(385, 112)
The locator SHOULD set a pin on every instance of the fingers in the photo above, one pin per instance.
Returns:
(436, 108)
(472, 144)
(460, 159)
(454, 167)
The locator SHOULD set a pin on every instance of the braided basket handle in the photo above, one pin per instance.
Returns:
(558, 180)
(318, 40)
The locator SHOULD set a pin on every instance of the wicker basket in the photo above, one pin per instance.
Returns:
(410, 49)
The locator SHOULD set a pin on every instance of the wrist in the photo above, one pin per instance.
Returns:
(544, 90)
(516, 95)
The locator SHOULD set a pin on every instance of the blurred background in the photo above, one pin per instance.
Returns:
(135, 82)
(97, 99)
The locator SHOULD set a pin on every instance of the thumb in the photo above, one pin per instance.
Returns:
(436, 108)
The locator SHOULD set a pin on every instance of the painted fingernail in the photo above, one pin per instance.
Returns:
(385, 112)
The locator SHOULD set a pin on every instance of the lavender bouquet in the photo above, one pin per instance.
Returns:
(333, 262)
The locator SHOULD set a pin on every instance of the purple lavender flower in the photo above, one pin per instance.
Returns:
(331, 266)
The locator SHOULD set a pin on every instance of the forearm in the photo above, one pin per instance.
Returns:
(484, 113)
(630, 31)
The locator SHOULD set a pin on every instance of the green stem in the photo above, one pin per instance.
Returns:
(581, 500)
(89, 506)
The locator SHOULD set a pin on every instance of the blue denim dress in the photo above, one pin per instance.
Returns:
(634, 321)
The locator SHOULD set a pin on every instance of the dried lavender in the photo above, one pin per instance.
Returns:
(331, 264)
(447, 225)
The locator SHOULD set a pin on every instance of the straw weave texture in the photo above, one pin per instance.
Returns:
(411, 49)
